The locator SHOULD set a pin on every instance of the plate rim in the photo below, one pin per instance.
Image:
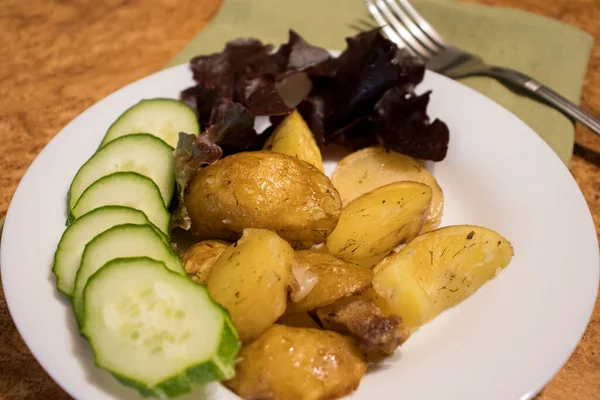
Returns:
(11, 214)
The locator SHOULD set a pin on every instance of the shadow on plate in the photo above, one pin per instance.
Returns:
(381, 363)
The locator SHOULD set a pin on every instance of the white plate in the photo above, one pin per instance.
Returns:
(505, 342)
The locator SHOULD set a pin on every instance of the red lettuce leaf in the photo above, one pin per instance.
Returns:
(315, 111)
(299, 56)
(222, 77)
(234, 131)
(259, 94)
(247, 72)
(202, 100)
(371, 101)
(240, 59)
(258, 88)
(369, 67)
(192, 153)
(364, 97)
(401, 124)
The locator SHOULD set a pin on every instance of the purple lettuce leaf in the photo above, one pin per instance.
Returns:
(193, 152)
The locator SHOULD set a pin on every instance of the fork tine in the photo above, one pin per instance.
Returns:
(389, 32)
(413, 28)
(362, 25)
(422, 23)
(369, 24)
(355, 27)
(401, 30)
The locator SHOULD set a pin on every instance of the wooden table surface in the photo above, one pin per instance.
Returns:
(58, 57)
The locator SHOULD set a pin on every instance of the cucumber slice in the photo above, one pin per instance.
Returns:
(70, 248)
(128, 189)
(163, 118)
(155, 330)
(126, 240)
(142, 153)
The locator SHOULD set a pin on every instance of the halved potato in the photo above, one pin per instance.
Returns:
(376, 222)
(199, 259)
(250, 279)
(298, 364)
(380, 301)
(294, 138)
(333, 280)
(373, 167)
(439, 269)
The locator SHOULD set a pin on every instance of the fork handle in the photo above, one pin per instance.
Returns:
(545, 93)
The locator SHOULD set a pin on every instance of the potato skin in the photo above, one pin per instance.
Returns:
(336, 279)
(438, 270)
(376, 222)
(199, 259)
(372, 167)
(298, 364)
(294, 138)
(250, 279)
(267, 190)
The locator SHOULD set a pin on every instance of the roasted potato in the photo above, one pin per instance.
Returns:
(294, 138)
(373, 167)
(376, 222)
(250, 279)
(439, 269)
(361, 318)
(333, 280)
(263, 189)
(199, 259)
(379, 301)
(298, 364)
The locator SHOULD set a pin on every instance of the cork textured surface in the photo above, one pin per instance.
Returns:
(58, 57)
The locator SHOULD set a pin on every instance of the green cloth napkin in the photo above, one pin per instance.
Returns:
(550, 51)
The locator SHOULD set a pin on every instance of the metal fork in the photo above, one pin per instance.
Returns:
(404, 26)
